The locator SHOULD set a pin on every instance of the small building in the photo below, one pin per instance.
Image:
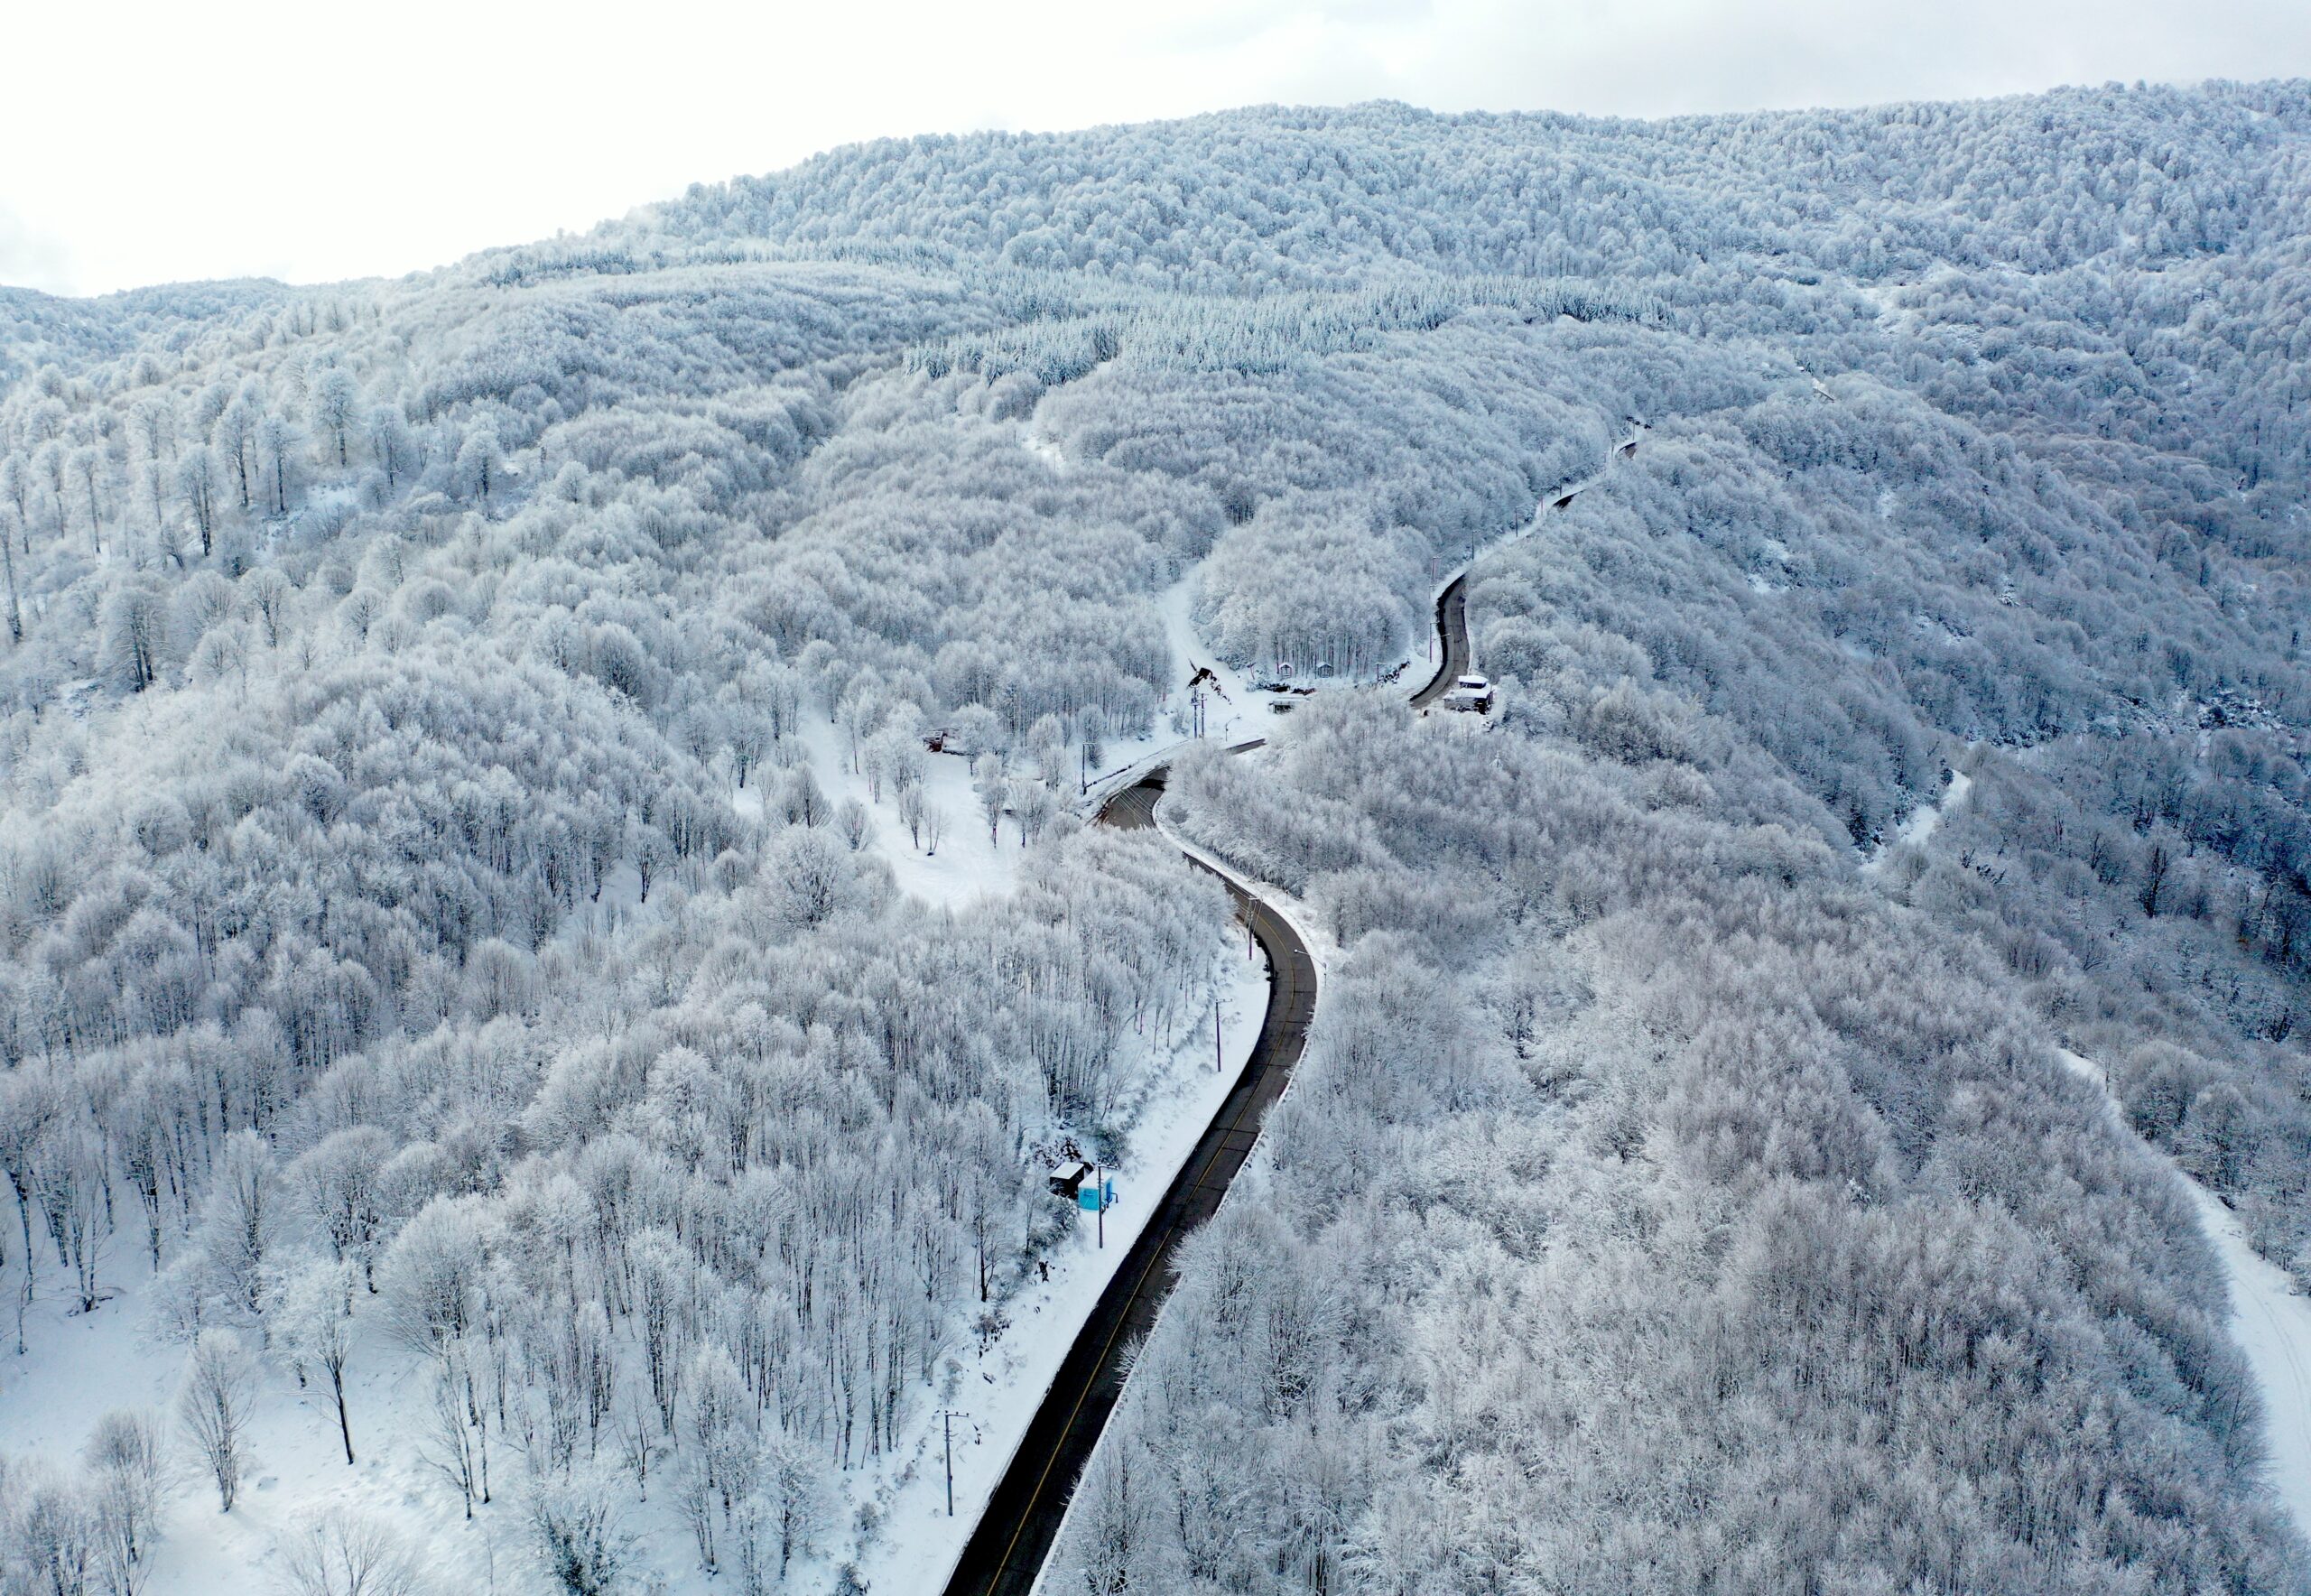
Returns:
(1068, 1178)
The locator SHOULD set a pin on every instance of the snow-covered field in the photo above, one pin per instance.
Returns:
(77, 1368)
(969, 865)
(1923, 819)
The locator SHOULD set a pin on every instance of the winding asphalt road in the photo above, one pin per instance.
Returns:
(1452, 603)
(1452, 626)
(1016, 1532)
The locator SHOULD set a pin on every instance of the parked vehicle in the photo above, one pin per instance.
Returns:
(1470, 693)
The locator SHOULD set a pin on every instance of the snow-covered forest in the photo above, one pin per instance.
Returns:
(495, 972)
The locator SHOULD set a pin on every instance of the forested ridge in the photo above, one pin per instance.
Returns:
(428, 935)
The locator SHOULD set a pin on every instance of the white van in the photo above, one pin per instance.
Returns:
(1470, 693)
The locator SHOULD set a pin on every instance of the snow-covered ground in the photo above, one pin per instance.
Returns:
(1045, 450)
(1234, 711)
(77, 1368)
(2270, 1323)
(1922, 821)
(967, 868)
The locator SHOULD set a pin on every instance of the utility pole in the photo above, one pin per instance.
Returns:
(1218, 1066)
(947, 1417)
(1099, 1203)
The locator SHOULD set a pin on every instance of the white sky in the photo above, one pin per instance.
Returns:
(144, 142)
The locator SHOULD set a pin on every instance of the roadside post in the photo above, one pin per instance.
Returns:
(947, 1417)
(1097, 1197)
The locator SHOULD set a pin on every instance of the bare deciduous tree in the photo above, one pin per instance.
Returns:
(214, 1400)
(128, 1471)
(337, 1553)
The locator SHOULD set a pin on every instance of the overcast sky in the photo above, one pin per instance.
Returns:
(264, 137)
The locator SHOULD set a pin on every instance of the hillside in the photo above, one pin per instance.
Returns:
(476, 889)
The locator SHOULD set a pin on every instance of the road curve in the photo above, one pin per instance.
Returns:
(1452, 603)
(1452, 627)
(1006, 1552)
(1015, 1533)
